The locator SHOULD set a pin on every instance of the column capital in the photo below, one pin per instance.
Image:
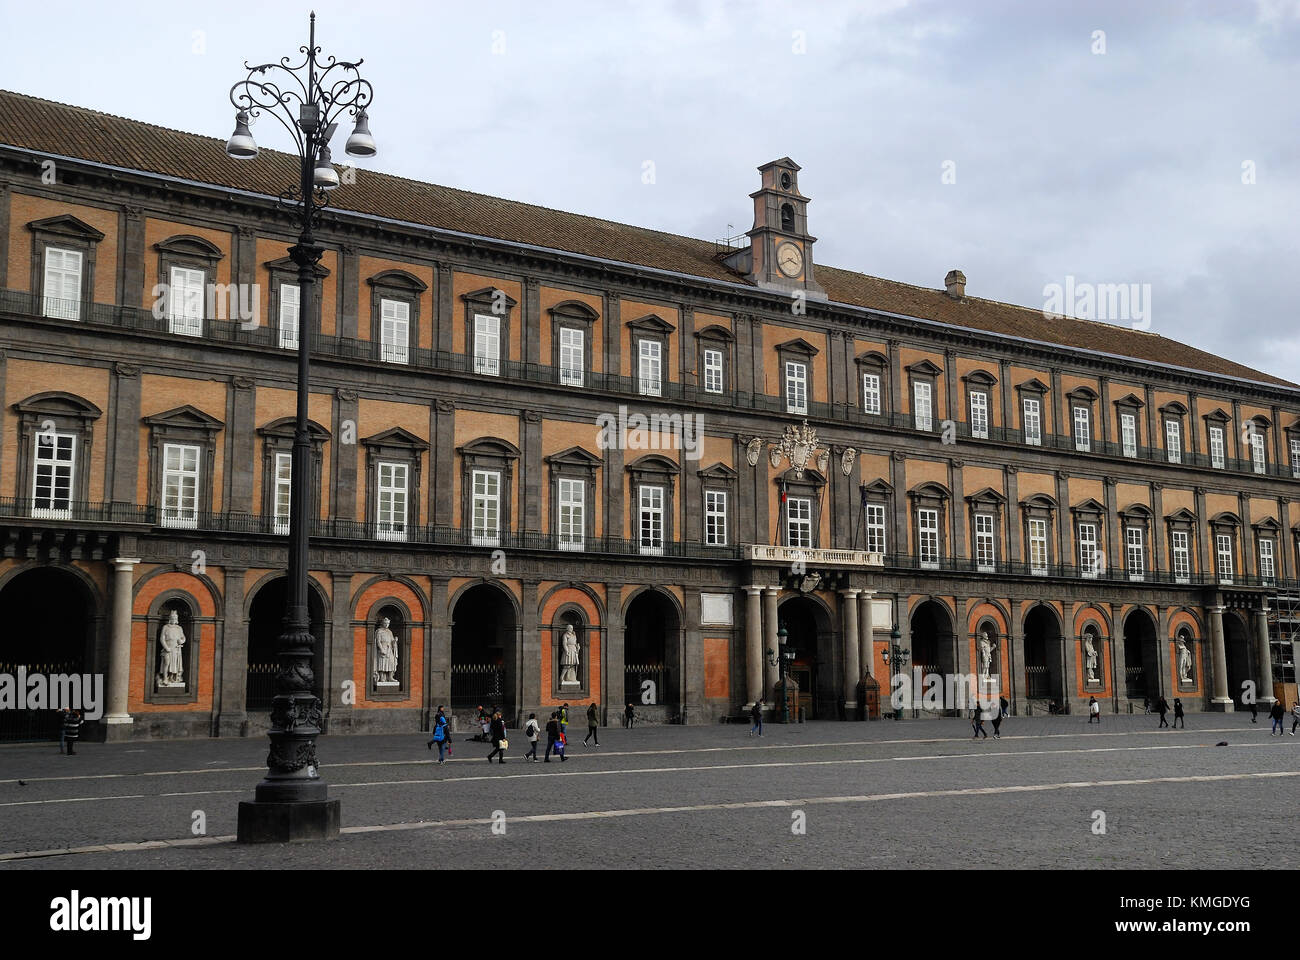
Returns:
(1216, 608)
(773, 590)
(753, 589)
(125, 563)
(850, 592)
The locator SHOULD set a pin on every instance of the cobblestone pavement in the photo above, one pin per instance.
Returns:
(915, 794)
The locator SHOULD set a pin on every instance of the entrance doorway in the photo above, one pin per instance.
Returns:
(809, 635)
(49, 623)
(1044, 659)
(1237, 651)
(651, 652)
(483, 672)
(1141, 658)
(933, 643)
(265, 624)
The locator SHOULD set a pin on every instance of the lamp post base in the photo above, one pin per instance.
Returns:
(288, 822)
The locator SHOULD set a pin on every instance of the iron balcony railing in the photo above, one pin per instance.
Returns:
(255, 333)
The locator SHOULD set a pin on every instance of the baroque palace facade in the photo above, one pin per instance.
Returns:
(530, 424)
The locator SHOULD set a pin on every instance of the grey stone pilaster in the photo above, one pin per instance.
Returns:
(1103, 403)
(1011, 516)
(1202, 535)
(338, 661)
(742, 362)
(349, 291)
(692, 495)
(1235, 431)
(1114, 534)
(612, 326)
(1060, 426)
(1015, 687)
(241, 441)
(4, 232)
(343, 459)
(895, 381)
(686, 344)
(692, 660)
(1154, 440)
(1157, 526)
(530, 323)
(131, 286)
(960, 509)
(444, 454)
(530, 468)
(612, 476)
(1119, 665)
(950, 385)
(439, 644)
(123, 454)
(233, 679)
(530, 647)
(444, 310)
(836, 394)
(244, 269)
(1194, 425)
(614, 659)
(898, 543)
(1064, 529)
(1005, 391)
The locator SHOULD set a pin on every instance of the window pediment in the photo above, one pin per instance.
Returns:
(988, 497)
(55, 403)
(1181, 516)
(1084, 394)
(715, 332)
(187, 245)
(1131, 400)
(1032, 385)
(1267, 525)
(651, 323)
(718, 471)
(66, 226)
(396, 438)
(490, 447)
(1135, 513)
(573, 310)
(1260, 421)
(798, 345)
(1217, 415)
(1039, 501)
(877, 488)
(575, 456)
(1089, 506)
(1174, 409)
(924, 368)
(930, 491)
(400, 279)
(1225, 519)
(872, 358)
(980, 378)
(652, 464)
(283, 429)
(185, 417)
(286, 265)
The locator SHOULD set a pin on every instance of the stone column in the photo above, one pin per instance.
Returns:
(852, 640)
(1218, 662)
(866, 634)
(1265, 693)
(770, 670)
(119, 650)
(753, 645)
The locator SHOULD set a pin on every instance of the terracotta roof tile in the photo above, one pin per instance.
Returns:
(61, 129)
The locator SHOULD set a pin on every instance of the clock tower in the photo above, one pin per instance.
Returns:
(779, 256)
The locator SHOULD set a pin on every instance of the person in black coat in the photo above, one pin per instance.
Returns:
(553, 738)
(70, 731)
(1178, 713)
(1162, 707)
(1254, 711)
(756, 715)
(497, 734)
(1276, 713)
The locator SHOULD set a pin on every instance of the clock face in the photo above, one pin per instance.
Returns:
(789, 259)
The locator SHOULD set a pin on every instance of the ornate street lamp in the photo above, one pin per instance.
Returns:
(308, 98)
(897, 656)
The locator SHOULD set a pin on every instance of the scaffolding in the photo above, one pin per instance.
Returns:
(1283, 639)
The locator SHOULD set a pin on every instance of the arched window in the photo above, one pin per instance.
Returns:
(787, 217)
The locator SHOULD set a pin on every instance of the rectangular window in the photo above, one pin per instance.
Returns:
(1174, 441)
(180, 485)
(1135, 553)
(798, 512)
(715, 518)
(979, 414)
(650, 508)
(573, 356)
(572, 514)
(871, 393)
(1082, 429)
(1216, 448)
(1182, 556)
(1032, 422)
(712, 371)
(52, 475)
(1295, 459)
(1089, 565)
(487, 345)
(875, 528)
(392, 501)
(1038, 547)
(922, 413)
(1258, 461)
(984, 544)
(649, 368)
(1223, 557)
(185, 302)
(796, 387)
(1267, 570)
(289, 313)
(62, 294)
(1128, 431)
(927, 537)
(282, 492)
(394, 331)
(486, 508)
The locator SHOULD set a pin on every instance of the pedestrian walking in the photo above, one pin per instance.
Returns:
(1004, 708)
(564, 717)
(1094, 710)
(1162, 707)
(997, 723)
(977, 720)
(1254, 710)
(1146, 705)
(497, 733)
(629, 717)
(441, 735)
(1295, 716)
(553, 735)
(756, 715)
(70, 731)
(1276, 713)
(531, 730)
(1178, 713)
(593, 721)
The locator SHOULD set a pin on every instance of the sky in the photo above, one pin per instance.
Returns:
(1028, 144)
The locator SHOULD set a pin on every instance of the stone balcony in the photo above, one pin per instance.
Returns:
(786, 556)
